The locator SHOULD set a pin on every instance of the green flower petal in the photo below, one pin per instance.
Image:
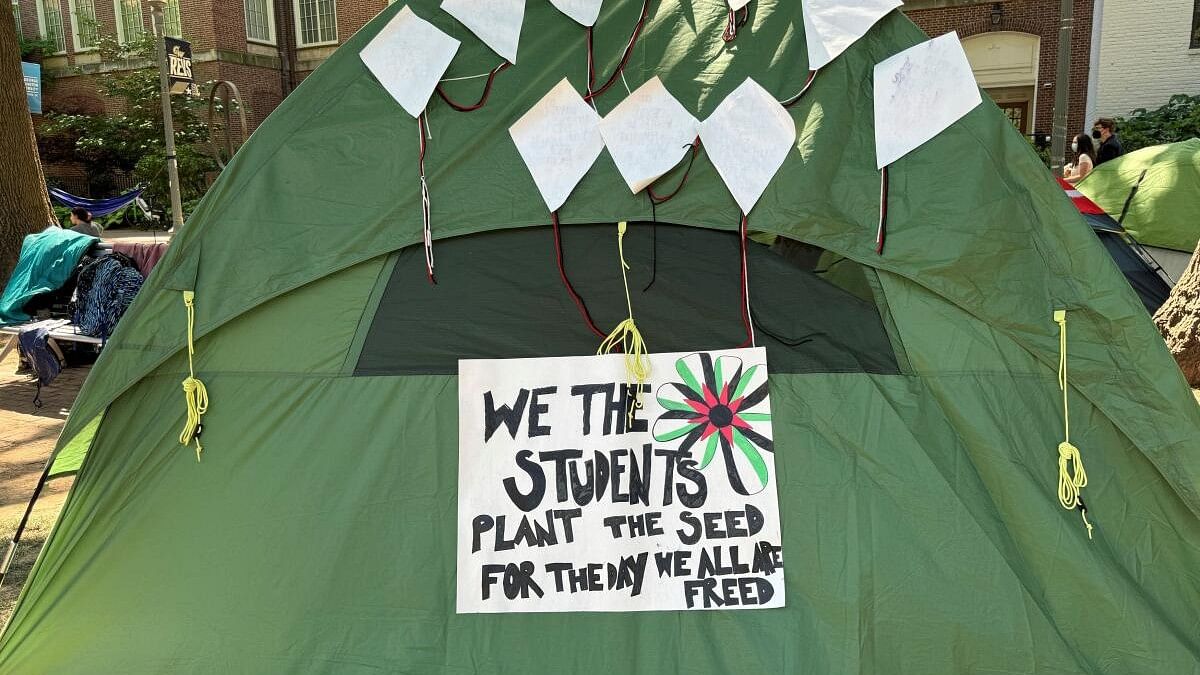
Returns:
(710, 451)
(752, 455)
(678, 433)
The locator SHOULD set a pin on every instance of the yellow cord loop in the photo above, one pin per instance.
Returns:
(627, 336)
(1072, 477)
(194, 392)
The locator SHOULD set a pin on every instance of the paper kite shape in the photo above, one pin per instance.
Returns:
(747, 138)
(735, 5)
(559, 139)
(648, 133)
(496, 22)
(583, 11)
(830, 26)
(919, 93)
(408, 57)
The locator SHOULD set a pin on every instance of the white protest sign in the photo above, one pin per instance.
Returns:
(831, 26)
(918, 93)
(408, 56)
(559, 139)
(583, 11)
(648, 133)
(496, 22)
(566, 503)
(747, 138)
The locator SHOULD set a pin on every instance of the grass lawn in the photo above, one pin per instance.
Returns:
(35, 535)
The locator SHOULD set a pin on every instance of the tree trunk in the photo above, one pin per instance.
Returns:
(1179, 321)
(24, 204)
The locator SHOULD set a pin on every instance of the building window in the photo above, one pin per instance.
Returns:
(50, 24)
(1017, 113)
(316, 22)
(1196, 25)
(84, 28)
(260, 21)
(129, 20)
(171, 23)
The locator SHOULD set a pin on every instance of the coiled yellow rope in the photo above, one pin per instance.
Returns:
(194, 392)
(1071, 475)
(627, 335)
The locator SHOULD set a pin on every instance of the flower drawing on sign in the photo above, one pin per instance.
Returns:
(720, 404)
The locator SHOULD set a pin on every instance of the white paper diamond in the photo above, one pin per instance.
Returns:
(648, 133)
(919, 93)
(830, 26)
(408, 56)
(583, 11)
(747, 138)
(737, 4)
(559, 139)
(496, 22)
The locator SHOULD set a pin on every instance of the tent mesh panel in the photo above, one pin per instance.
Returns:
(499, 295)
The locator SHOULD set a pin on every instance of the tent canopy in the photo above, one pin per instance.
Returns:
(1138, 267)
(1166, 209)
(915, 392)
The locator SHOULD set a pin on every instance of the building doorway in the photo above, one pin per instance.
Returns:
(1005, 64)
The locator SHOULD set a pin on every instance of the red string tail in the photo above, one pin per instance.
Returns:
(812, 75)
(562, 272)
(487, 91)
(593, 92)
(750, 342)
(736, 20)
(426, 232)
(656, 199)
(883, 207)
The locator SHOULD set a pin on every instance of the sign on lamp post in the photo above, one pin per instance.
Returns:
(165, 77)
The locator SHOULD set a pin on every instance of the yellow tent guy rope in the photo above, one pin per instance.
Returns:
(627, 335)
(194, 393)
(1071, 475)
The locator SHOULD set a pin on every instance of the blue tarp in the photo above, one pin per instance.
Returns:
(47, 259)
(97, 207)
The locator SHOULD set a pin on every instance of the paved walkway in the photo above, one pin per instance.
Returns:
(148, 236)
(27, 437)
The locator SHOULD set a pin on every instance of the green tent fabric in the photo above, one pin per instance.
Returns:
(1166, 210)
(46, 262)
(917, 410)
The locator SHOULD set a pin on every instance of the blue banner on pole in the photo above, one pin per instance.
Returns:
(33, 86)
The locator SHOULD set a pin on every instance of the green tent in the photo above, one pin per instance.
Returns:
(1165, 212)
(915, 393)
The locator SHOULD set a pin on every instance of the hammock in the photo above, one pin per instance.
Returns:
(97, 207)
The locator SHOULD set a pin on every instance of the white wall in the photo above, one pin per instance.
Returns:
(1144, 55)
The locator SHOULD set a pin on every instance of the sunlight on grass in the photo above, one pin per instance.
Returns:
(35, 535)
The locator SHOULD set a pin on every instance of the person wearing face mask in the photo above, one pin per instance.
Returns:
(1085, 151)
(1105, 131)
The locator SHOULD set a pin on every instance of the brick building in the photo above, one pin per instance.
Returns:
(266, 47)
(1013, 49)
